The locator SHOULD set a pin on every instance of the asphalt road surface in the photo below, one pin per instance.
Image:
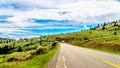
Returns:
(69, 56)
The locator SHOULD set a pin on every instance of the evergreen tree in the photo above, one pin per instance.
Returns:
(98, 25)
(104, 24)
(115, 24)
(103, 28)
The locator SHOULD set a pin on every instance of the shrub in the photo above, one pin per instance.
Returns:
(90, 32)
(80, 39)
(27, 44)
(115, 33)
(115, 24)
(6, 49)
(54, 44)
(20, 49)
(41, 50)
(21, 56)
(30, 48)
(32, 43)
(86, 38)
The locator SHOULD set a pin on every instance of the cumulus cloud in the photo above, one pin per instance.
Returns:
(77, 12)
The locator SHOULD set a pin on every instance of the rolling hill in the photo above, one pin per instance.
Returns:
(27, 53)
(36, 52)
(105, 37)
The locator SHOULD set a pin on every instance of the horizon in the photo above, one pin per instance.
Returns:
(26, 19)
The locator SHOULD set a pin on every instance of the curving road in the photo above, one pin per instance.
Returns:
(69, 56)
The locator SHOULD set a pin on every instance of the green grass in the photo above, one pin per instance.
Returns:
(39, 61)
(104, 50)
(27, 53)
(99, 39)
(23, 46)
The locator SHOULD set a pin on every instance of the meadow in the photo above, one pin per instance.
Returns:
(105, 37)
(27, 53)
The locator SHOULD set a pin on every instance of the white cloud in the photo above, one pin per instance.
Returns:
(88, 11)
(84, 9)
(79, 10)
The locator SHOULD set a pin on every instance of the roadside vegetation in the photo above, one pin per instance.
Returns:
(36, 52)
(105, 37)
(27, 53)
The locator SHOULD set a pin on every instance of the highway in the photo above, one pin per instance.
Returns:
(69, 56)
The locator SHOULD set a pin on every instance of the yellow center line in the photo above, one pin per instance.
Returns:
(105, 61)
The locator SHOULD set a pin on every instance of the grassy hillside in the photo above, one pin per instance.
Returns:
(34, 52)
(5, 40)
(105, 37)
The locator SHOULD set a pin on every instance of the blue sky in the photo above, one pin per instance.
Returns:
(31, 18)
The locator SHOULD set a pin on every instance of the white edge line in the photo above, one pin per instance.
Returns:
(64, 62)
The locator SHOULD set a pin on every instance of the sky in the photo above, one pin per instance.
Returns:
(33, 18)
